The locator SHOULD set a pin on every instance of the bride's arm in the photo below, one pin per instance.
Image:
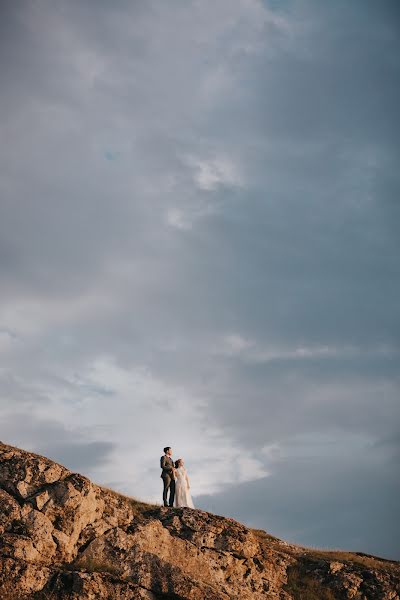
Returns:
(187, 481)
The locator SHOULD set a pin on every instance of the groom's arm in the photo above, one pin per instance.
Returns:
(165, 465)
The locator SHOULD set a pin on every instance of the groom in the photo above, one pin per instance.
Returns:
(168, 476)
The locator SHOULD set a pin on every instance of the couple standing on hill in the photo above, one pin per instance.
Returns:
(175, 480)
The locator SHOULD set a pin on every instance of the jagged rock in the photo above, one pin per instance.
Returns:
(62, 536)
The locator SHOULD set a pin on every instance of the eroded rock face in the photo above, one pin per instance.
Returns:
(61, 536)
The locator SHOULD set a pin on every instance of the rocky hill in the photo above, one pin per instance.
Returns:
(62, 536)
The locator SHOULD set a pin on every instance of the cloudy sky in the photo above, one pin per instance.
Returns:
(199, 243)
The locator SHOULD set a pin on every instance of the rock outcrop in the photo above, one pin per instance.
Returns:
(62, 536)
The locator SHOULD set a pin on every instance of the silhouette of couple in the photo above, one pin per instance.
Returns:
(175, 480)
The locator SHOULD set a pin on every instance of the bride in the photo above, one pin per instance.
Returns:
(183, 496)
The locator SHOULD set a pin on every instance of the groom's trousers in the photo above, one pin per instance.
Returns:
(169, 484)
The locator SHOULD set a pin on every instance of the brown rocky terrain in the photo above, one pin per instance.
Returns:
(62, 536)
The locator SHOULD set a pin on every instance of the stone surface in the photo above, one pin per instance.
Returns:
(62, 536)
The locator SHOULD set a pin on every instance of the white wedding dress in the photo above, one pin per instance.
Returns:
(183, 497)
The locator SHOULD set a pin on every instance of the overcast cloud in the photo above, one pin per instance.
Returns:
(199, 246)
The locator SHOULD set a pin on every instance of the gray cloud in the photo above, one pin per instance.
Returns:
(50, 438)
(199, 211)
(320, 501)
(79, 455)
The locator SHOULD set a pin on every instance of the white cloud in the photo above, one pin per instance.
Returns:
(211, 173)
(35, 314)
(186, 216)
(177, 218)
(235, 344)
(140, 414)
(251, 351)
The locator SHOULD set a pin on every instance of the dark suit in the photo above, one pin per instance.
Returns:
(168, 477)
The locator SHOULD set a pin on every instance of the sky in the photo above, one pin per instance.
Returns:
(199, 244)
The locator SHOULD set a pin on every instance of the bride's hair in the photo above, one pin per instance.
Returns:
(177, 463)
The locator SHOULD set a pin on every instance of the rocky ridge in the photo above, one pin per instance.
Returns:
(62, 536)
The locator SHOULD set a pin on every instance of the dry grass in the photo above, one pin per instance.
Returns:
(92, 565)
(305, 587)
(366, 560)
(137, 505)
(359, 558)
(263, 536)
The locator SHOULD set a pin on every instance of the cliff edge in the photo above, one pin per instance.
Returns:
(62, 536)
